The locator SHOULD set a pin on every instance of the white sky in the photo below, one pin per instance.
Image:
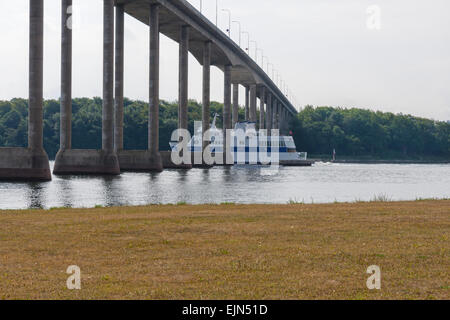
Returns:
(322, 48)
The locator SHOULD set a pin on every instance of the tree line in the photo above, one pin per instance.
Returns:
(317, 130)
(358, 133)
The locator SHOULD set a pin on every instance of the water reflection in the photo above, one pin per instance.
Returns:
(64, 192)
(239, 184)
(110, 194)
(182, 176)
(36, 195)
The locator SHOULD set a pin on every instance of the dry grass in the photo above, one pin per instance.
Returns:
(228, 251)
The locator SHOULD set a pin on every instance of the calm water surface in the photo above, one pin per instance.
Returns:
(242, 184)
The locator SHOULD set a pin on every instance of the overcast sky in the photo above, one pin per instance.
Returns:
(324, 49)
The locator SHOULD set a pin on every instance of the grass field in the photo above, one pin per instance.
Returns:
(228, 251)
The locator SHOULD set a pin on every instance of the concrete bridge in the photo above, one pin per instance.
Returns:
(176, 19)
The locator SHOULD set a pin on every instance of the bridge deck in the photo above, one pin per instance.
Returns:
(175, 13)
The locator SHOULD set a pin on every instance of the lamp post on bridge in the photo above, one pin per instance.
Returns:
(262, 54)
(217, 12)
(229, 21)
(248, 41)
(267, 60)
(268, 69)
(240, 33)
(256, 50)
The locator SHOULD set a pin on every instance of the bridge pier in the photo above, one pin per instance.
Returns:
(226, 108)
(283, 120)
(269, 113)
(275, 115)
(286, 122)
(280, 119)
(183, 95)
(247, 103)
(278, 114)
(235, 116)
(31, 163)
(66, 87)
(183, 78)
(119, 79)
(262, 108)
(206, 118)
(66, 78)
(272, 111)
(253, 112)
(155, 162)
(104, 161)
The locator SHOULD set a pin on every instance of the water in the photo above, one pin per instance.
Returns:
(321, 183)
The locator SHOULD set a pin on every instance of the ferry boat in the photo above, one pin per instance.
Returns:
(246, 151)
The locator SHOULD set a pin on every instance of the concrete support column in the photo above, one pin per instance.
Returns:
(31, 163)
(206, 89)
(36, 78)
(247, 103)
(226, 108)
(262, 111)
(153, 124)
(283, 120)
(269, 113)
(279, 119)
(65, 109)
(275, 115)
(285, 114)
(66, 78)
(235, 116)
(287, 120)
(253, 114)
(183, 78)
(119, 60)
(274, 111)
(108, 77)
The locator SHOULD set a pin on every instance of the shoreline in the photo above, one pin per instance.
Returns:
(362, 161)
(378, 199)
(356, 161)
